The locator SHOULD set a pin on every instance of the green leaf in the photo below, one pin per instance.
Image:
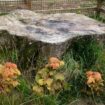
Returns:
(59, 76)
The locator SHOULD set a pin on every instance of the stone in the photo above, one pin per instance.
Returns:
(53, 33)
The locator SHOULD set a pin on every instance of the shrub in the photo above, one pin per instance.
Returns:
(50, 79)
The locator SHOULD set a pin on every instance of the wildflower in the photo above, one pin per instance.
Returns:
(94, 81)
(10, 70)
(90, 80)
(8, 73)
(55, 63)
(8, 76)
(10, 65)
(89, 73)
(97, 76)
(94, 75)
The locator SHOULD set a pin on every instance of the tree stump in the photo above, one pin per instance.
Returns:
(52, 33)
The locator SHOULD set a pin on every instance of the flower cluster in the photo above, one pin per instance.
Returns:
(94, 81)
(8, 77)
(49, 79)
(55, 63)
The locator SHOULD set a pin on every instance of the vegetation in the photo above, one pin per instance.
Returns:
(80, 75)
(50, 79)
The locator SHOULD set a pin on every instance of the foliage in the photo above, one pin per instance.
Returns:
(72, 67)
(86, 50)
(24, 87)
(49, 79)
(101, 18)
(74, 75)
(100, 63)
(76, 70)
(1, 14)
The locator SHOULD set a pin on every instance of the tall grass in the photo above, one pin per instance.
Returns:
(86, 50)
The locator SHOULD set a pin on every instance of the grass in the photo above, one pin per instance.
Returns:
(1, 14)
(101, 18)
(86, 50)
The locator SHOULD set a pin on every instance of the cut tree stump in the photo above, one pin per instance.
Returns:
(53, 33)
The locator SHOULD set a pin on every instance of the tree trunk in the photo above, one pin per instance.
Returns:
(28, 3)
(99, 5)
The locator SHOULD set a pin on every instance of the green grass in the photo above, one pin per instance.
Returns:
(1, 14)
(86, 50)
(101, 18)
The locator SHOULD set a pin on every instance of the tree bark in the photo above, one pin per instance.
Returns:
(28, 3)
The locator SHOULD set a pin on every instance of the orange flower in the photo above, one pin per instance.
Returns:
(54, 63)
(95, 75)
(54, 59)
(94, 81)
(10, 70)
(10, 65)
(8, 73)
(90, 80)
(89, 73)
